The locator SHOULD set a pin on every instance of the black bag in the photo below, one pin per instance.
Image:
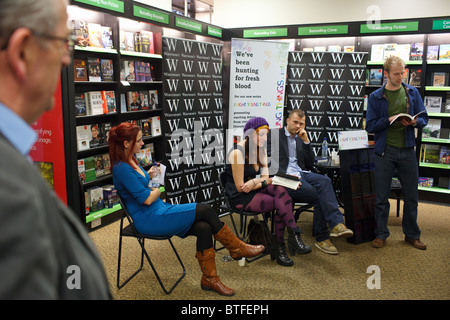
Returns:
(259, 233)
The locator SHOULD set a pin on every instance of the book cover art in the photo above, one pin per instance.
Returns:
(94, 102)
(444, 52)
(94, 71)
(80, 72)
(127, 71)
(156, 126)
(107, 37)
(89, 169)
(433, 104)
(439, 79)
(433, 52)
(109, 101)
(143, 97)
(96, 137)
(415, 75)
(105, 127)
(80, 31)
(95, 35)
(404, 51)
(444, 156)
(349, 48)
(133, 102)
(432, 129)
(80, 105)
(431, 153)
(96, 201)
(377, 52)
(84, 135)
(416, 51)
(390, 49)
(153, 99)
(375, 76)
(107, 70)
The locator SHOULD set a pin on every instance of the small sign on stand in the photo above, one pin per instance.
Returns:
(353, 139)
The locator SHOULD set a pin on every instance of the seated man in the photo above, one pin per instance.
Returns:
(296, 157)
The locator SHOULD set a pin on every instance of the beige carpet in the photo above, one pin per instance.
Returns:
(405, 272)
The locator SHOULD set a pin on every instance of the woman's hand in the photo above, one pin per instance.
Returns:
(153, 171)
(248, 186)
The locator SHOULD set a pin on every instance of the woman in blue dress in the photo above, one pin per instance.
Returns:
(155, 217)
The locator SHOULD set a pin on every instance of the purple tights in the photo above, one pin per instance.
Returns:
(274, 197)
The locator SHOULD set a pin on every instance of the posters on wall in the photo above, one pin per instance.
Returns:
(257, 83)
(329, 87)
(193, 120)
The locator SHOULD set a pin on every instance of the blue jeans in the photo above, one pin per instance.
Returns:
(318, 190)
(404, 160)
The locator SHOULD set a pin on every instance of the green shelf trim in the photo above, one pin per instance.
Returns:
(101, 213)
(94, 49)
(431, 88)
(434, 165)
(437, 114)
(141, 54)
(438, 61)
(435, 189)
(412, 62)
(432, 140)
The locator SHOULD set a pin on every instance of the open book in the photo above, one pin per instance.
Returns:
(405, 116)
(286, 180)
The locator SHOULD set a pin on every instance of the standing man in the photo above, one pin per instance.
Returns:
(45, 252)
(395, 149)
(297, 158)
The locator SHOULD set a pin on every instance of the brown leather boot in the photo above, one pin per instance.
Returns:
(210, 279)
(237, 248)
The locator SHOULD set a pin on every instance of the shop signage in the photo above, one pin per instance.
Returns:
(441, 24)
(112, 5)
(323, 30)
(188, 24)
(265, 33)
(390, 27)
(215, 32)
(355, 139)
(148, 14)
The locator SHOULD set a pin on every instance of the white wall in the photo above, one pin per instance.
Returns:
(162, 4)
(254, 13)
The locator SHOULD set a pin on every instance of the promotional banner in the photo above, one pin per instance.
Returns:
(330, 88)
(193, 114)
(257, 83)
(48, 151)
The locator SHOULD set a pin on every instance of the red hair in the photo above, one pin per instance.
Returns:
(117, 136)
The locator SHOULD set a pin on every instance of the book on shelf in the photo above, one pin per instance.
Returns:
(133, 102)
(156, 126)
(105, 127)
(444, 182)
(404, 51)
(153, 99)
(334, 48)
(84, 135)
(377, 52)
(430, 153)
(446, 105)
(390, 49)
(94, 167)
(107, 37)
(375, 76)
(415, 75)
(433, 104)
(96, 136)
(95, 195)
(349, 48)
(127, 71)
(107, 70)
(144, 156)
(144, 99)
(433, 52)
(80, 105)
(405, 76)
(147, 42)
(94, 71)
(81, 170)
(416, 51)
(80, 31)
(89, 169)
(444, 52)
(401, 116)
(94, 102)
(99, 169)
(109, 101)
(432, 129)
(80, 72)
(286, 180)
(146, 127)
(139, 71)
(439, 79)
(444, 156)
(425, 182)
(320, 49)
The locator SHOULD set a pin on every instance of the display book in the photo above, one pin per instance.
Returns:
(407, 52)
(93, 70)
(286, 180)
(411, 76)
(92, 34)
(140, 41)
(436, 104)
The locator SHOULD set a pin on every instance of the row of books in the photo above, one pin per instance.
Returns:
(412, 76)
(435, 104)
(93, 69)
(151, 127)
(142, 100)
(141, 41)
(95, 103)
(92, 34)
(135, 71)
(330, 48)
(434, 153)
(92, 135)
(406, 52)
(434, 130)
(93, 167)
(98, 198)
(438, 52)
(443, 182)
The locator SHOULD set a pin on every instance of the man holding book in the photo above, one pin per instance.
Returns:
(296, 158)
(395, 149)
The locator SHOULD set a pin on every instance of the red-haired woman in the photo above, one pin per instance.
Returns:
(155, 217)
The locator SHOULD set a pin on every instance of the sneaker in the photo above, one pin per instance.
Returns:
(326, 246)
(341, 230)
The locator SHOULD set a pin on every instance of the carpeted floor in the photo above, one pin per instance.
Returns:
(405, 272)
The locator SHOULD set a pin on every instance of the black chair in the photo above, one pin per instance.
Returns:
(242, 234)
(130, 231)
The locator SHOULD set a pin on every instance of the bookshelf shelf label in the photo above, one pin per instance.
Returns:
(390, 27)
(152, 15)
(441, 24)
(265, 33)
(322, 30)
(111, 5)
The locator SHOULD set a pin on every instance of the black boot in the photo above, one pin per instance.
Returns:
(278, 252)
(295, 242)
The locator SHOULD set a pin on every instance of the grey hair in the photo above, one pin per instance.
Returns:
(40, 16)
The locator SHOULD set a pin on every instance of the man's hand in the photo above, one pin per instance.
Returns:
(302, 134)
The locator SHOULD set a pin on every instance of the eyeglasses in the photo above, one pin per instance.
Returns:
(70, 42)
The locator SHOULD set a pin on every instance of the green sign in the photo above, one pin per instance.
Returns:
(390, 27)
(148, 14)
(188, 24)
(112, 5)
(215, 32)
(323, 30)
(265, 33)
(441, 25)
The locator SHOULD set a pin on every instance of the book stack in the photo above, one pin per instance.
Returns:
(93, 167)
(92, 135)
(92, 34)
(434, 153)
(93, 69)
(95, 103)
(138, 71)
(407, 52)
(142, 100)
(141, 41)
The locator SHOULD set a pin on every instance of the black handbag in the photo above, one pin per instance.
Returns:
(259, 233)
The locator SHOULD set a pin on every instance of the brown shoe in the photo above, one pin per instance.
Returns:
(416, 243)
(378, 243)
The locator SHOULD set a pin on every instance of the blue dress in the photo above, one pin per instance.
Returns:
(159, 218)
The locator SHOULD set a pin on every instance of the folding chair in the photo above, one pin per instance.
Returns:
(130, 231)
(243, 215)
